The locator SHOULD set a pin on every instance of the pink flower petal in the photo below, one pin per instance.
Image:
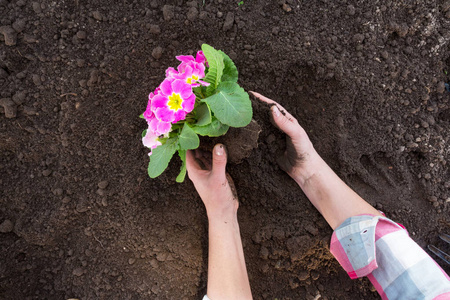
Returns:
(150, 140)
(166, 86)
(185, 58)
(182, 88)
(165, 114)
(188, 103)
(159, 101)
(200, 57)
(179, 115)
(171, 72)
(200, 70)
(164, 127)
(204, 83)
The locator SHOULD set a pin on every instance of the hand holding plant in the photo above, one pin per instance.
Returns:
(200, 97)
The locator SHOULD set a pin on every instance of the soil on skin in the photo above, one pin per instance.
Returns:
(79, 217)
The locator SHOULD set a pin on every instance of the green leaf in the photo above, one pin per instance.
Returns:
(144, 132)
(215, 128)
(180, 177)
(161, 156)
(215, 70)
(141, 116)
(188, 139)
(230, 72)
(231, 105)
(203, 115)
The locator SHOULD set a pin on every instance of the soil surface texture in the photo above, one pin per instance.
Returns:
(80, 218)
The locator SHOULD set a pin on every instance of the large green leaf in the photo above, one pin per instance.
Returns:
(182, 175)
(188, 139)
(230, 72)
(203, 115)
(231, 105)
(161, 156)
(215, 71)
(215, 128)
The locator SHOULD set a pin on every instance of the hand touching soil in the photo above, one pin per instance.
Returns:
(300, 154)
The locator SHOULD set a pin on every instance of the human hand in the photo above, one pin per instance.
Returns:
(299, 158)
(214, 185)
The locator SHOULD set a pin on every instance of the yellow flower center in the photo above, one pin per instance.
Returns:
(175, 102)
(192, 79)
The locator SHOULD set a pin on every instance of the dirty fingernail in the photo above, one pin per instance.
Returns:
(219, 149)
(276, 111)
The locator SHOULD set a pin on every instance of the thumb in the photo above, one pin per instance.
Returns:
(219, 161)
(285, 121)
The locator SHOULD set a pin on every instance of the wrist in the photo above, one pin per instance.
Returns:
(310, 167)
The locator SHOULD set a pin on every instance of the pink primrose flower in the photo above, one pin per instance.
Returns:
(200, 58)
(191, 73)
(190, 70)
(150, 140)
(174, 100)
(156, 126)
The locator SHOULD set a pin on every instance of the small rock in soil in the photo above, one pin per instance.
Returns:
(19, 97)
(155, 29)
(97, 15)
(93, 79)
(103, 184)
(47, 172)
(168, 12)
(81, 34)
(286, 7)
(10, 108)
(36, 79)
(157, 52)
(37, 7)
(10, 35)
(440, 87)
(192, 14)
(351, 10)
(6, 226)
(229, 20)
(131, 261)
(19, 25)
(358, 38)
(78, 272)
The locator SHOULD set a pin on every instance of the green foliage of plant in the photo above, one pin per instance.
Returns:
(231, 104)
(219, 106)
(161, 157)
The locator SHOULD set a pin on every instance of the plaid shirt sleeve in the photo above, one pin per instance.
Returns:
(382, 250)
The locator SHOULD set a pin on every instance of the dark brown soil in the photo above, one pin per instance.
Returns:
(79, 217)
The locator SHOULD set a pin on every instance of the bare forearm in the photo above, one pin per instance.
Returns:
(334, 199)
(227, 273)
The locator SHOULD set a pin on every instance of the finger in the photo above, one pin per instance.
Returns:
(263, 98)
(270, 101)
(219, 161)
(191, 163)
(286, 122)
